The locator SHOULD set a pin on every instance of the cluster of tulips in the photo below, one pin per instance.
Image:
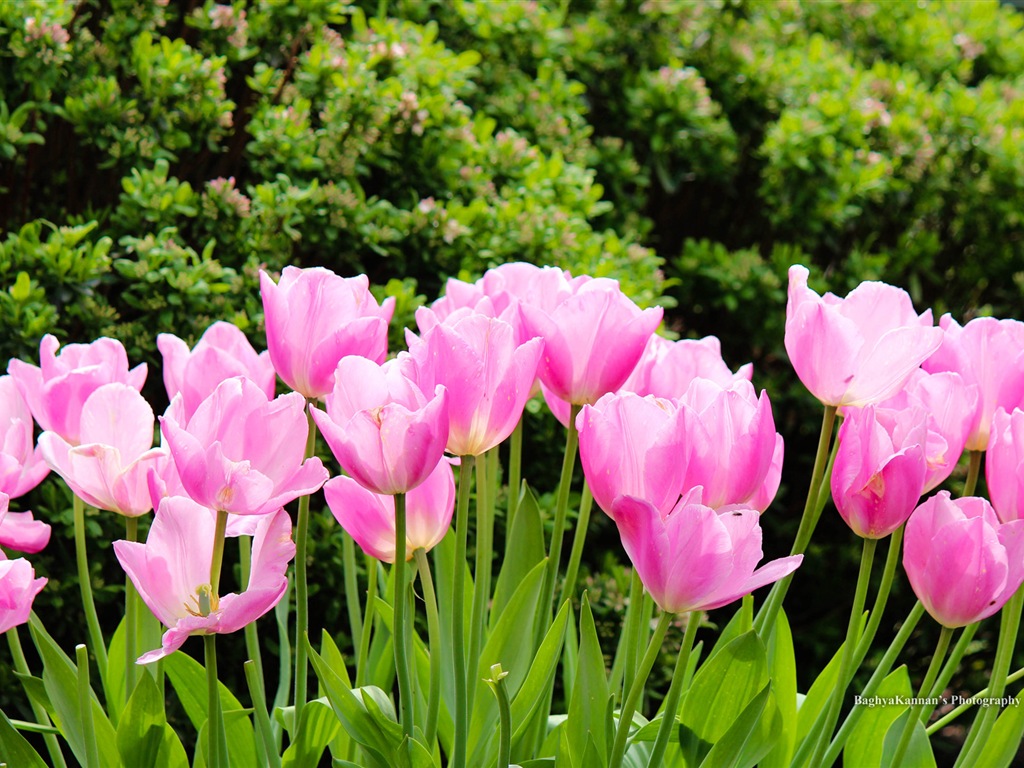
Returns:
(678, 450)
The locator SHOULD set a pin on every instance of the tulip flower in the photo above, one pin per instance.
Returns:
(314, 318)
(385, 432)
(858, 350)
(18, 588)
(110, 467)
(20, 531)
(460, 299)
(242, 452)
(694, 558)
(488, 376)
(171, 571)
(880, 469)
(1004, 465)
(963, 564)
(369, 517)
(21, 462)
(666, 368)
(222, 352)
(988, 353)
(632, 446)
(57, 390)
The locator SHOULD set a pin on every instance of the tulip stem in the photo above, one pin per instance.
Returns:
(348, 562)
(131, 529)
(973, 471)
(921, 711)
(631, 632)
(268, 749)
(482, 570)
(99, 649)
(892, 559)
(515, 472)
(301, 589)
(637, 689)
(216, 740)
(218, 553)
(405, 704)
(458, 618)
(363, 660)
(434, 643)
(92, 753)
(578, 539)
(953, 662)
(252, 638)
(971, 701)
(675, 690)
(21, 666)
(812, 512)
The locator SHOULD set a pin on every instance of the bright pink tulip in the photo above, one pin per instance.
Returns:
(385, 432)
(694, 558)
(242, 452)
(880, 469)
(963, 564)
(632, 446)
(1004, 464)
(666, 368)
(460, 299)
(109, 468)
(314, 318)
(592, 340)
(488, 376)
(18, 588)
(20, 531)
(857, 350)
(369, 517)
(990, 354)
(172, 573)
(221, 353)
(57, 390)
(21, 462)
(733, 450)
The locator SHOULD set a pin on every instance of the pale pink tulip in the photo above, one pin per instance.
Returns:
(57, 390)
(110, 466)
(858, 350)
(1004, 464)
(666, 368)
(384, 431)
(18, 588)
(20, 531)
(314, 318)
(694, 558)
(222, 352)
(21, 462)
(242, 452)
(369, 518)
(171, 571)
(963, 564)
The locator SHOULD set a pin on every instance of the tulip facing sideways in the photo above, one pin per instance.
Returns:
(20, 531)
(21, 462)
(18, 588)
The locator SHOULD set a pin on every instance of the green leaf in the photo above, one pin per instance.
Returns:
(525, 549)
(586, 728)
(863, 747)
(1004, 741)
(115, 672)
(782, 669)
(143, 735)
(740, 622)
(919, 753)
(15, 749)
(751, 736)
(319, 725)
(818, 696)
(542, 672)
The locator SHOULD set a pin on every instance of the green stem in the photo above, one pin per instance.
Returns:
(458, 617)
(301, 589)
(973, 471)
(215, 738)
(668, 721)
(809, 520)
(482, 569)
(434, 643)
(922, 710)
(625, 658)
(217, 561)
(629, 707)
(363, 661)
(892, 559)
(348, 563)
(92, 752)
(953, 662)
(515, 474)
(405, 704)
(99, 648)
(21, 666)
(949, 717)
(131, 596)
(497, 684)
(578, 540)
(252, 639)
(253, 676)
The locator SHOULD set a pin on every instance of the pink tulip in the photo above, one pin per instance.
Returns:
(242, 452)
(369, 518)
(18, 588)
(314, 318)
(592, 340)
(733, 450)
(632, 446)
(460, 299)
(694, 558)
(20, 531)
(221, 353)
(171, 571)
(57, 390)
(857, 350)
(385, 432)
(21, 462)
(963, 564)
(488, 376)
(666, 368)
(988, 353)
(880, 469)
(109, 468)
(1004, 464)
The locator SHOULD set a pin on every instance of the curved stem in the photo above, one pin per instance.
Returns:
(922, 710)
(482, 569)
(458, 617)
(971, 701)
(637, 689)
(301, 589)
(973, 471)
(578, 539)
(405, 704)
(99, 648)
(21, 666)
(675, 690)
(497, 683)
(892, 559)
(131, 601)
(363, 660)
(953, 662)
(434, 642)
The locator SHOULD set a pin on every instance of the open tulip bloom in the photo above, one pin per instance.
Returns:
(22, 467)
(18, 588)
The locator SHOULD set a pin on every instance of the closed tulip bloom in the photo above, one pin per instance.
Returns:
(21, 462)
(487, 373)
(632, 446)
(694, 558)
(666, 368)
(222, 352)
(858, 350)
(242, 452)
(385, 432)
(988, 353)
(1004, 464)
(963, 564)
(58, 388)
(18, 589)
(460, 299)
(880, 469)
(109, 468)
(171, 571)
(369, 518)
(314, 318)
(20, 531)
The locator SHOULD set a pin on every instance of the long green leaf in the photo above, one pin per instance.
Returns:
(1004, 741)
(752, 735)
(919, 753)
(143, 735)
(541, 674)
(586, 730)
(525, 549)
(863, 746)
(319, 725)
(15, 751)
(782, 669)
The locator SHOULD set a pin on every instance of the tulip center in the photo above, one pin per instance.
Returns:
(204, 601)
